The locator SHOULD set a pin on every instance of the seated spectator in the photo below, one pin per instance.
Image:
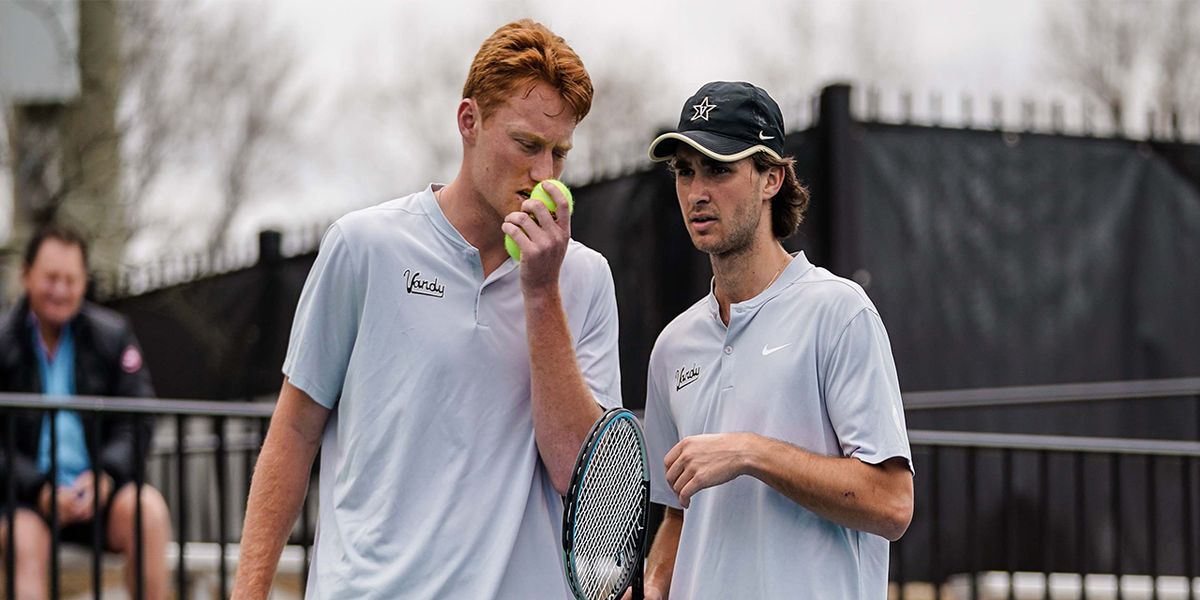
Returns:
(57, 344)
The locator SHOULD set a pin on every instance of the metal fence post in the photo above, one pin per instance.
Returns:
(181, 510)
(139, 477)
(837, 183)
(10, 504)
(97, 531)
(222, 505)
(55, 576)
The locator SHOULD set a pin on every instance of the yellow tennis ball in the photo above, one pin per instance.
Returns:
(511, 245)
(539, 193)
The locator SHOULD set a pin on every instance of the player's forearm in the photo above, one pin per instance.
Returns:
(660, 564)
(877, 499)
(563, 407)
(276, 495)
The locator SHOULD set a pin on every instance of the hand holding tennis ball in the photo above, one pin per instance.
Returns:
(539, 193)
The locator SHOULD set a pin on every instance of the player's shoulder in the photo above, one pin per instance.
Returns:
(579, 255)
(404, 220)
(586, 276)
(699, 310)
(680, 328)
(382, 217)
(822, 290)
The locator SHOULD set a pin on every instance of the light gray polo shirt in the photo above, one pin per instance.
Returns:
(808, 362)
(431, 485)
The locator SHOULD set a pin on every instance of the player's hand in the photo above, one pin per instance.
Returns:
(650, 594)
(702, 461)
(542, 238)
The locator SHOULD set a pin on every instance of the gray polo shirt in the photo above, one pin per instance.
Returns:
(431, 485)
(808, 362)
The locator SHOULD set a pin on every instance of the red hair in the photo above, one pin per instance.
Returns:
(527, 52)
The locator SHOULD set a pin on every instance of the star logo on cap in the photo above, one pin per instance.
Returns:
(702, 109)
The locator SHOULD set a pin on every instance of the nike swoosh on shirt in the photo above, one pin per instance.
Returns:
(769, 350)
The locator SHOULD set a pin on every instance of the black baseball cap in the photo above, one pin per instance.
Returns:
(726, 121)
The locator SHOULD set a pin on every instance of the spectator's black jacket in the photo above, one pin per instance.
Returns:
(108, 362)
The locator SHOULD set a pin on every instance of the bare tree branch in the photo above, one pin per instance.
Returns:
(1114, 48)
(210, 90)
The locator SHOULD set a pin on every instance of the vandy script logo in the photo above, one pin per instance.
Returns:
(414, 284)
(685, 376)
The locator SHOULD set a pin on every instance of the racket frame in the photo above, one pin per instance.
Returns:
(571, 502)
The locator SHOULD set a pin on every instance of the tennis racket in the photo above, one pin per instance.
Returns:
(604, 512)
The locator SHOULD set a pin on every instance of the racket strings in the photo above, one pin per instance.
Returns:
(604, 544)
(610, 512)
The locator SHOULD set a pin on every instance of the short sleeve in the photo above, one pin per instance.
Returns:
(661, 436)
(862, 393)
(596, 351)
(326, 323)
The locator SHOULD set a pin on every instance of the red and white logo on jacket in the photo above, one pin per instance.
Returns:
(131, 360)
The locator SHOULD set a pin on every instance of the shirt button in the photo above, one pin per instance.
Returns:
(728, 349)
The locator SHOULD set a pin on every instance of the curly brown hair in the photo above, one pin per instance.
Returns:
(789, 204)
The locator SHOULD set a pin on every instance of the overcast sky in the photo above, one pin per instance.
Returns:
(948, 46)
(979, 44)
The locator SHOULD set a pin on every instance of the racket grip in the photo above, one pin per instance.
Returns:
(638, 585)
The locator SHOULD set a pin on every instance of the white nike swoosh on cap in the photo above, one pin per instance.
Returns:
(769, 350)
(764, 137)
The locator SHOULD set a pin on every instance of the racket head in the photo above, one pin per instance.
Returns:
(604, 511)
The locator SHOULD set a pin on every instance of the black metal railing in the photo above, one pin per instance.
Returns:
(1003, 513)
(200, 456)
(1184, 387)
(1024, 514)
(1004, 509)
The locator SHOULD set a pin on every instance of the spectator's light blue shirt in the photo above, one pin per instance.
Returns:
(58, 381)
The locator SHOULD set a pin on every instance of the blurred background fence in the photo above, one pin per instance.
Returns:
(996, 257)
(201, 457)
(999, 513)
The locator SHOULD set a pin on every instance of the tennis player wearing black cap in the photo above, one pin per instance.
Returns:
(782, 373)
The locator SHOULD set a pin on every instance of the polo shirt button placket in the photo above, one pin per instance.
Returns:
(725, 372)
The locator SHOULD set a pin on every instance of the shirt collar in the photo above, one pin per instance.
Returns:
(792, 273)
(428, 202)
(65, 338)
